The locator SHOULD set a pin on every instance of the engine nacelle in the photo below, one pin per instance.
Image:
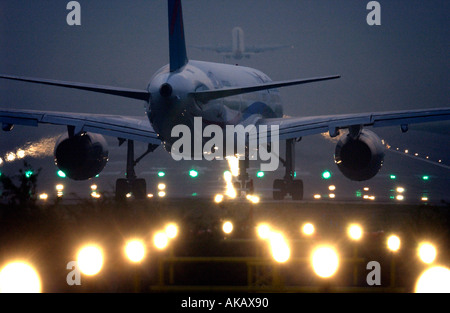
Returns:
(361, 158)
(82, 156)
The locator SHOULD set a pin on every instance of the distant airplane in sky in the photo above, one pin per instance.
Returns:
(182, 92)
(238, 49)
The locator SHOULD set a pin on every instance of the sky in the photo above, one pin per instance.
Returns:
(401, 64)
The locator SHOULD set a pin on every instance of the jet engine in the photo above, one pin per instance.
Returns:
(359, 158)
(82, 156)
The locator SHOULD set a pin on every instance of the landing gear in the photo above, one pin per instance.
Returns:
(131, 184)
(288, 185)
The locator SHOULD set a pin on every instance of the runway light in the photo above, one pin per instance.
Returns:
(400, 197)
(135, 250)
(150, 195)
(434, 280)
(20, 154)
(325, 261)
(160, 240)
(308, 229)
(19, 277)
(61, 174)
(260, 174)
(161, 186)
(218, 198)
(424, 198)
(95, 195)
(161, 174)
(171, 230)
(253, 199)
(279, 247)
(93, 187)
(90, 260)
(427, 252)
(425, 177)
(393, 177)
(332, 188)
(193, 173)
(400, 189)
(393, 243)
(227, 227)
(332, 195)
(354, 232)
(28, 174)
(161, 194)
(263, 231)
(326, 175)
(43, 196)
(317, 196)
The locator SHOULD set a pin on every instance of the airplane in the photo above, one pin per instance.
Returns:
(238, 50)
(221, 94)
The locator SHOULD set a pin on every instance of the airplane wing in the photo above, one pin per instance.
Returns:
(132, 128)
(296, 127)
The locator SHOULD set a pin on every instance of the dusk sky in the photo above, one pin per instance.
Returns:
(401, 64)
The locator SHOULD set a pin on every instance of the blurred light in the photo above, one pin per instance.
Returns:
(366, 188)
(279, 247)
(43, 196)
(193, 173)
(425, 177)
(161, 174)
(90, 260)
(326, 175)
(434, 280)
(400, 198)
(150, 195)
(59, 187)
(332, 195)
(61, 174)
(355, 232)
(10, 157)
(135, 250)
(20, 154)
(233, 163)
(171, 230)
(424, 198)
(93, 187)
(392, 177)
(325, 261)
(19, 277)
(308, 229)
(406, 151)
(95, 195)
(161, 186)
(317, 196)
(28, 174)
(260, 174)
(393, 243)
(161, 194)
(218, 198)
(160, 240)
(227, 227)
(332, 188)
(253, 199)
(263, 231)
(400, 189)
(427, 252)
(128, 195)
(230, 191)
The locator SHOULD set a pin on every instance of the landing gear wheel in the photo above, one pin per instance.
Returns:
(279, 189)
(297, 189)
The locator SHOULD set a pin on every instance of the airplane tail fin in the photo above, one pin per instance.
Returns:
(177, 44)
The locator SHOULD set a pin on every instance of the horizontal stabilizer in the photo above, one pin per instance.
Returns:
(208, 95)
(116, 91)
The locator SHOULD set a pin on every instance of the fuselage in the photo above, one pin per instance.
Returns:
(170, 103)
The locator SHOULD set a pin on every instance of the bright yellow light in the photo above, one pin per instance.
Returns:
(263, 231)
(332, 188)
(355, 232)
(427, 252)
(400, 189)
(20, 154)
(171, 230)
(135, 250)
(128, 195)
(95, 194)
(253, 199)
(43, 196)
(59, 187)
(161, 194)
(19, 277)
(218, 198)
(161, 186)
(150, 195)
(393, 243)
(10, 157)
(93, 187)
(90, 260)
(325, 261)
(434, 280)
(317, 196)
(233, 163)
(424, 198)
(227, 227)
(160, 240)
(332, 195)
(279, 247)
(400, 198)
(366, 188)
(308, 229)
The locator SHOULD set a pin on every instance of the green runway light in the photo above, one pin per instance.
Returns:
(425, 177)
(161, 174)
(392, 177)
(61, 174)
(260, 174)
(28, 174)
(193, 173)
(326, 175)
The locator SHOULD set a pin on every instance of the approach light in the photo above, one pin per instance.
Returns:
(434, 280)
(326, 175)
(19, 277)
(90, 260)
(160, 240)
(161, 174)
(260, 174)
(393, 243)
(279, 247)
(325, 261)
(227, 227)
(135, 250)
(308, 229)
(171, 230)
(427, 252)
(193, 173)
(355, 232)
(263, 231)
